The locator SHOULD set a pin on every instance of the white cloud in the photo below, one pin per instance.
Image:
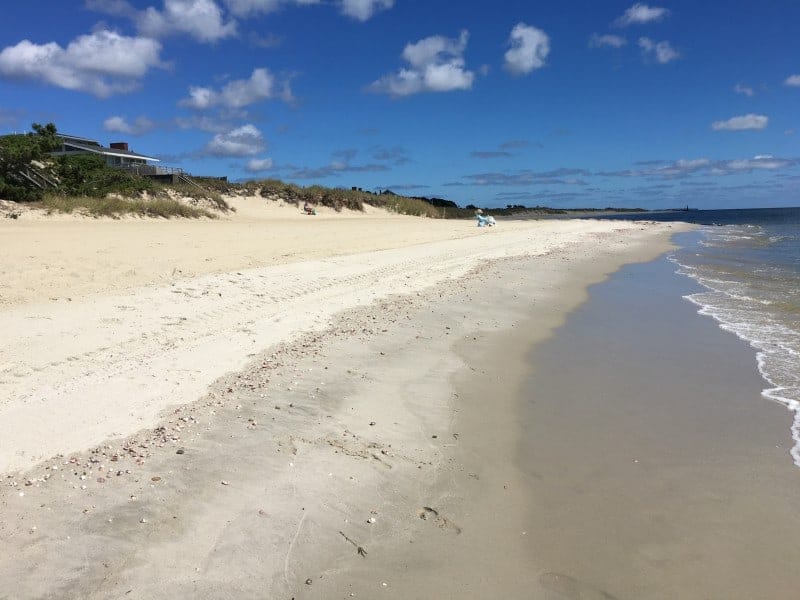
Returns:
(765, 162)
(744, 90)
(639, 14)
(612, 41)
(201, 19)
(237, 93)
(245, 8)
(102, 63)
(742, 123)
(693, 163)
(529, 49)
(140, 125)
(793, 81)
(436, 65)
(663, 52)
(685, 168)
(246, 140)
(358, 9)
(256, 165)
(364, 9)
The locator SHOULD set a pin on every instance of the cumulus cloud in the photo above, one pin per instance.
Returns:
(246, 140)
(529, 49)
(364, 9)
(257, 165)
(742, 123)
(793, 81)
(639, 14)
(201, 19)
(744, 90)
(261, 85)
(436, 64)
(102, 63)
(139, 126)
(608, 40)
(663, 52)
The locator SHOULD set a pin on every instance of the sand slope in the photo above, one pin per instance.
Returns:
(76, 372)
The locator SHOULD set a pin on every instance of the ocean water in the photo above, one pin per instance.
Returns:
(748, 263)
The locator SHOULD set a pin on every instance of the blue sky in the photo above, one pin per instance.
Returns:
(569, 104)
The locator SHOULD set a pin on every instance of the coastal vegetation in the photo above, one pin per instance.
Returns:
(85, 183)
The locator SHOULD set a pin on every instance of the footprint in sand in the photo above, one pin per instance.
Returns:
(426, 513)
(568, 587)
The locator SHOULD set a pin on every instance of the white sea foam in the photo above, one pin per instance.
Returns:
(777, 344)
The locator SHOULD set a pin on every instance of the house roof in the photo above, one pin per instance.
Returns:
(79, 139)
(103, 150)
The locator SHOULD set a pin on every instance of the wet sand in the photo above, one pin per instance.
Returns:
(657, 469)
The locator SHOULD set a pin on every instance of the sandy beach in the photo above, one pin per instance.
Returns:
(275, 405)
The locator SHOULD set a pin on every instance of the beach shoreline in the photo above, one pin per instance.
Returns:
(659, 469)
(321, 446)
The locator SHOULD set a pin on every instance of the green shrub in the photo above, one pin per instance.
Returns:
(89, 175)
(17, 154)
(11, 189)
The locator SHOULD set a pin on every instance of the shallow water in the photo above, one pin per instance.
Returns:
(750, 272)
(659, 471)
(748, 263)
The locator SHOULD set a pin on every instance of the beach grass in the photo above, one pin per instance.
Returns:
(115, 207)
(340, 198)
(201, 192)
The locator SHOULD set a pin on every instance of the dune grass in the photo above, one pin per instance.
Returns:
(339, 198)
(204, 192)
(117, 207)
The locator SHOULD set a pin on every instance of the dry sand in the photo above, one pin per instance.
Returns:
(60, 257)
(336, 410)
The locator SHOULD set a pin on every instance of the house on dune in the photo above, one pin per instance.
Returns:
(117, 154)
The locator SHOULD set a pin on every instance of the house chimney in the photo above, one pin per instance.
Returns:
(120, 146)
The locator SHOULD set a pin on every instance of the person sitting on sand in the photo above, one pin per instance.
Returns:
(309, 209)
(484, 221)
